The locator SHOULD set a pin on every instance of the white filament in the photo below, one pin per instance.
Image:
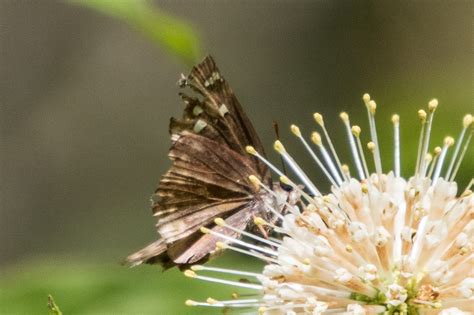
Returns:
(355, 155)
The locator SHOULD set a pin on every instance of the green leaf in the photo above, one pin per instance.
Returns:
(177, 36)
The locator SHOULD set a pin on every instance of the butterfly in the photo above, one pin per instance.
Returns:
(209, 176)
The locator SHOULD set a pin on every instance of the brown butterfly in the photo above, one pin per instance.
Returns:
(209, 177)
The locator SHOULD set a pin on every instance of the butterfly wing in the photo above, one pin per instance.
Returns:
(200, 246)
(209, 174)
(203, 183)
(216, 114)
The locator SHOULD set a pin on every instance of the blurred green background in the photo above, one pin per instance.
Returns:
(86, 92)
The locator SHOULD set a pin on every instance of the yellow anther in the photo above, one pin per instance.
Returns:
(372, 107)
(278, 146)
(197, 267)
(259, 221)
(190, 274)
(254, 179)
(344, 116)
(319, 119)
(449, 141)
(463, 251)
(285, 180)
(190, 303)
(366, 98)
(432, 105)
(467, 120)
(422, 115)
(356, 130)
(371, 146)
(221, 245)
(250, 150)
(345, 168)
(219, 221)
(395, 119)
(204, 230)
(364, 188)
(211, 301)
(255, 182)
(295, 130)
(316, 138)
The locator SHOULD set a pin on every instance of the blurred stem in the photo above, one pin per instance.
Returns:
(53, 308)
(170, 32)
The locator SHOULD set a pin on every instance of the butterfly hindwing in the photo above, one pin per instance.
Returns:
(215, 184)
(203, 245)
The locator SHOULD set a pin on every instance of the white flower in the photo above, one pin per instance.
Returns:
(376, 243)
(343, 276)
(452, 311)
(369, 272)
(396, 294)
(466, 288)
(355, 309)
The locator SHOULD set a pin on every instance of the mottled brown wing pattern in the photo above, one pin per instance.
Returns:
(215, 183)
(217, 114)
(209, 174)
(205, 244)
(202, 184)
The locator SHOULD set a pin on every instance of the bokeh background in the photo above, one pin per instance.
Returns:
(87, 89)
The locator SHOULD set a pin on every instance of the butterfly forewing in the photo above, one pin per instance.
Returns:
(217, 107)
(209, 175)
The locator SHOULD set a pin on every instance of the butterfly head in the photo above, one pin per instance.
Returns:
(277, 202)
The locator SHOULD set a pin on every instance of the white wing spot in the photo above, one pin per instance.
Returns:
(223, 110)
(197, 110)
(199, 125)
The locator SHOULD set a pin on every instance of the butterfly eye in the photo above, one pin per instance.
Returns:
(286, 187)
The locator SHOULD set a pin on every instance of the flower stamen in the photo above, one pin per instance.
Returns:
(251, 150)
(356, 132)
(316, 138)
(191, 274)
(422, 116)
(432, 105)
(221, 222)
(371, 108)
(381, 244)
(239, 242)
(345, 119)
(296, 132)
(319, 119)
(396, 140)
(296, 168)
(222, 245)
(448, 141)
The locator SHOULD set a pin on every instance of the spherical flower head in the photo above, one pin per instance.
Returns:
(377, 242)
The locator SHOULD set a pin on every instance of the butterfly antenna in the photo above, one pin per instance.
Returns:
(276, 128)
